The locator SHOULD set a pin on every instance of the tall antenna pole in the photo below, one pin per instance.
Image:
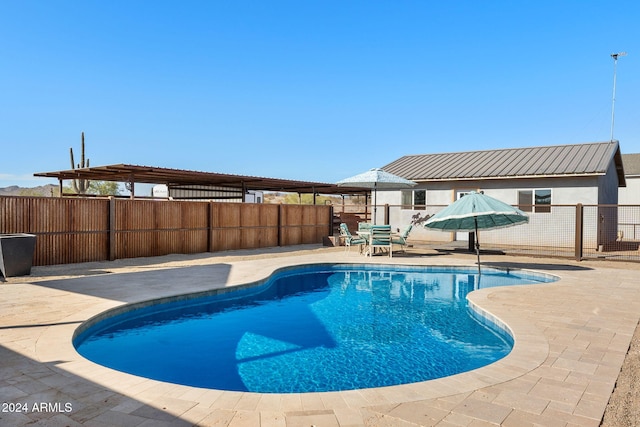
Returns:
(613, 98)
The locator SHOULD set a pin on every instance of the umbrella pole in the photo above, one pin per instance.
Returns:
(475, 219)
(375, 202)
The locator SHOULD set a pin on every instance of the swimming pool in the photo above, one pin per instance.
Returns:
(323, 327)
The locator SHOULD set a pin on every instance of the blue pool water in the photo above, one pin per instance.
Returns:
(311, 328)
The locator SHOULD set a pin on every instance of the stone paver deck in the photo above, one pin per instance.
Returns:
(571, 338)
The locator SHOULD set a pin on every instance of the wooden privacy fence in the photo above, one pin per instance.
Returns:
(71, 230)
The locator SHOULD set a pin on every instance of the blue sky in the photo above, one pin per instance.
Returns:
(311, 90)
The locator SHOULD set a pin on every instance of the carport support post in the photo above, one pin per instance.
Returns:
(132, 187)
(579, 229)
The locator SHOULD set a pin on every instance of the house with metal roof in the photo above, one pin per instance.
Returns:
(533, 178)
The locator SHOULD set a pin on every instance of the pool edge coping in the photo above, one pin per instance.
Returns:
(518, 362)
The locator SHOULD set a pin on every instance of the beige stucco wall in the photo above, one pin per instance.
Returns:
(540, 231)
(630, 195)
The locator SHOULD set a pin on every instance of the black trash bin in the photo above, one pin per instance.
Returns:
(16, 254)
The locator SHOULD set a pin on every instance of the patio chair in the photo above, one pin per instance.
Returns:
(380, 237)
(349, 239)
(402, 238)
(364, 226)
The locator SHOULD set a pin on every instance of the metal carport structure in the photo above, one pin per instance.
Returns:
(176, 178)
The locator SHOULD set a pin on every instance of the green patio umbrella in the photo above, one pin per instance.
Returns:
(476, 211)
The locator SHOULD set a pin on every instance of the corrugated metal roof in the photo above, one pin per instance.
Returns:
(631, 164)
(174, 177)
(558, 160)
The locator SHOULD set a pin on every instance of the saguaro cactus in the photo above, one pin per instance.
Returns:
(80, 186)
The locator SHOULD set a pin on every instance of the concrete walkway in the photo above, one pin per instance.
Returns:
(571, 339)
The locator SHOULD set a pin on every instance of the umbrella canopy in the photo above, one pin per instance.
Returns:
(376, 178)
(476, 211)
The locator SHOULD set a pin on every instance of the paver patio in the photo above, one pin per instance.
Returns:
(571, 338)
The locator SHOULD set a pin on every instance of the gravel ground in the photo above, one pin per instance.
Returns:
(624, 406)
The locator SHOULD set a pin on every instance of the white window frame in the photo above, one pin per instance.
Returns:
(412, 205)
(535, 207)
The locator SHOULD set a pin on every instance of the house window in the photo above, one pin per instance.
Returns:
(525, 200)
(534, 200)
(414, 199)
(407, 199)
(419, 199)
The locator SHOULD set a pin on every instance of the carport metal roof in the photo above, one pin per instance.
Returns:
(178, 177)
